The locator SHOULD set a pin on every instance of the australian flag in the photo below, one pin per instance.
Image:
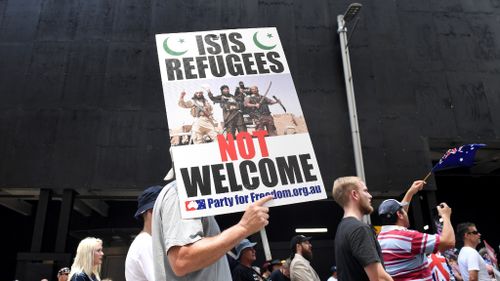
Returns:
(201, 204)
(462, 156)
(193, 205)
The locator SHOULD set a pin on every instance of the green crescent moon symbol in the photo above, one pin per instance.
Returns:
(170, 51)
(260, 45)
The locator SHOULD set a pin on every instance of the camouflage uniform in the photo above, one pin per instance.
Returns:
(262, 114)
(203, 126)
(231, 111)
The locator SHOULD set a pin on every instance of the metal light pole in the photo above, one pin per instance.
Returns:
(350, 14)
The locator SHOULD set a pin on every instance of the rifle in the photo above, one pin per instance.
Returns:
(201, 109)
(267, 92)
(232, 116)
(254, 112)
(282, 106)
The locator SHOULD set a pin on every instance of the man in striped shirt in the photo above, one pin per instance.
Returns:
(405, 251)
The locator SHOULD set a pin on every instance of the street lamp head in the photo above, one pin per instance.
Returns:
(352, 11)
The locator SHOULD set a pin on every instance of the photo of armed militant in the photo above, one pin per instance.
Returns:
(231, 109)
(258, 109)
(203, 128)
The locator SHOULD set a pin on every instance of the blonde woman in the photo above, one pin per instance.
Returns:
(88, 260)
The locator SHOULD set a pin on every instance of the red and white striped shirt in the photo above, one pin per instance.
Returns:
(405, 252)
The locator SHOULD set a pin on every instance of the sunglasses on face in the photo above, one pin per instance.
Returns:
(475, 232)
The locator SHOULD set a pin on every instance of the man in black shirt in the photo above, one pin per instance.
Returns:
(231, 110)
(357, 251)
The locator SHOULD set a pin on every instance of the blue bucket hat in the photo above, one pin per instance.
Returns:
(147, 199)
(244, 244)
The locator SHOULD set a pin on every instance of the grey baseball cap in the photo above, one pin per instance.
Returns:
(390, 207)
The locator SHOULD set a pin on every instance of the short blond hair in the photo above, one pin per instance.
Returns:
(342, 187)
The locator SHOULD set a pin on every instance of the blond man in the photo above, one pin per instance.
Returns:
(357, 251)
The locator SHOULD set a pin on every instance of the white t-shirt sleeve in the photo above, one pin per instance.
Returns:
(473, 261)
(139, 261)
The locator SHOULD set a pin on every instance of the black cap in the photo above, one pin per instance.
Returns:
(296, 240)
(224, 87)
(147, 199)
(64, 270)
(276, 262)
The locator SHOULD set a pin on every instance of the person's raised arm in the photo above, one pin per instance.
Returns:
(182, 102)
(204, 252)
(376, 272)
(447, 240)
(414, 188)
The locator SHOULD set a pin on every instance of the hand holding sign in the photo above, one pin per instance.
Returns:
(256, 216)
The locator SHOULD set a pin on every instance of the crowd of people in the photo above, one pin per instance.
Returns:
(172, 248)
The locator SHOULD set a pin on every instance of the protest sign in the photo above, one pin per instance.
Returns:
(237, 130)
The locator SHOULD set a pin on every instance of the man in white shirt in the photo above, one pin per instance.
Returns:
(471, 264)
(333, 269)
(139, 262)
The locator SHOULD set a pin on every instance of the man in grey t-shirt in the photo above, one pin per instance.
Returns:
(194, 249)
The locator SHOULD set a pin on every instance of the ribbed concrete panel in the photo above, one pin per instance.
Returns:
(95, 20)
(20, 20)
(153, 155)
(492, 88)
(151, 94)
(46, 75)
(85, 75)
(131, 20)
(456, 41)
(75, 149)
(434, 105)
(124, 75)
(58, 20)
(470, 105)
(14, 63)
(30, 155)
